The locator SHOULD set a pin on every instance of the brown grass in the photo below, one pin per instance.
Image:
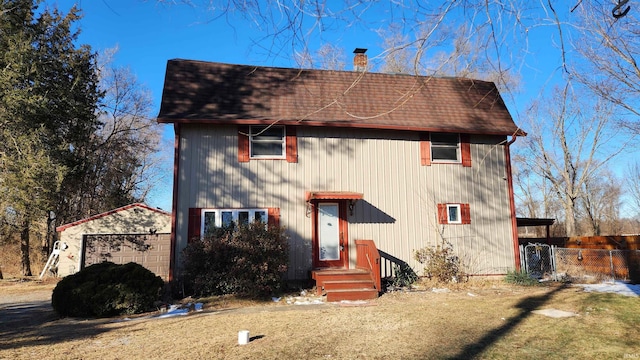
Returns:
(489, 320)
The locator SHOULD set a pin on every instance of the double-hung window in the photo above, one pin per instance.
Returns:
(267, 142)
(216, 218)
(445, 147)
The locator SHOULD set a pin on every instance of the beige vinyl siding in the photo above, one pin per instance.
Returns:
(133, 220)
(399, 209)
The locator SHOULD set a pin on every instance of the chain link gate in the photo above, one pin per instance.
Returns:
(538, 260)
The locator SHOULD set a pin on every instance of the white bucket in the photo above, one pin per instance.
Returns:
(243, 337)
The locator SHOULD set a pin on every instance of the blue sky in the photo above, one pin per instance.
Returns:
(148, 33)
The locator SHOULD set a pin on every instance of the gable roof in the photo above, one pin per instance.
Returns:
(197, 91)
(110, 212)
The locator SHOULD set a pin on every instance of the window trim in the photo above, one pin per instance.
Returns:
(458, 214)
(283, 142)
(194, 221)
(464, 214)
(234, 213)
(291, 144)
(464, 141)
(458, 147)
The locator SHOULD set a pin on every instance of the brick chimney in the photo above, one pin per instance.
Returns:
(360, 60)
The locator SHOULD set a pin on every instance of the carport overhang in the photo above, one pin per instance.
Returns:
(547, 222)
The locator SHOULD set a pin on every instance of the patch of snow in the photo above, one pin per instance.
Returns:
(174, 310)
(354, 302)
(617, 287)
(304, 300)
(308, 302)
(180, 310)
(439, 291)
(554, 313)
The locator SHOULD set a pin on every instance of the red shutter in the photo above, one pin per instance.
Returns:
(465, 149)
(442, 214)
(425, 149)
(243, 144)
(274, 216)
(465, 213)
(291, 144)
(194, 225)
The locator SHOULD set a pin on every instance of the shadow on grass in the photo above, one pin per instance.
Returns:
(526, 306)
(37, 324)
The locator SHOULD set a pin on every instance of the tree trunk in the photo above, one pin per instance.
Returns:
(24, 249)
(570, 217)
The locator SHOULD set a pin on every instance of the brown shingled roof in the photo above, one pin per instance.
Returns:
(196, 91)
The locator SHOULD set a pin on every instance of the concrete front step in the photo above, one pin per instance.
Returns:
(351, 294)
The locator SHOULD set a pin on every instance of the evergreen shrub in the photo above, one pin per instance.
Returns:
(107, 289)
(246, 260)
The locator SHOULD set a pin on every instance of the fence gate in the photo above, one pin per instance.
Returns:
(538, 260)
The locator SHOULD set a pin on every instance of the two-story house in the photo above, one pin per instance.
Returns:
(338, 156)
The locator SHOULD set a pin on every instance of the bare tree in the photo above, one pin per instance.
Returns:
(632, 185)
(570, 145)
(534, 195)
(601, 202)
(328, 56)
(398, 56)
(610, 47)
(123, 162)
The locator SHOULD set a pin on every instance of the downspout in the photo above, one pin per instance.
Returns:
(512, 203)
(174, 206)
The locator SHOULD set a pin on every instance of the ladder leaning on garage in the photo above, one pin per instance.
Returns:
(54, 258)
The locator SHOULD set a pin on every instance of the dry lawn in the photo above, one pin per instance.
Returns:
(485, 321)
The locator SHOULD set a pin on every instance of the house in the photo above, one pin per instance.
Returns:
(132, 233)
(339, 157)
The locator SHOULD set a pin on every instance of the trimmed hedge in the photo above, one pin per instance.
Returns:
(107, 289)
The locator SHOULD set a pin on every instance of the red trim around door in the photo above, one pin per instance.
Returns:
(343, 233)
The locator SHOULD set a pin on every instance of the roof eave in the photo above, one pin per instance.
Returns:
(336, 124)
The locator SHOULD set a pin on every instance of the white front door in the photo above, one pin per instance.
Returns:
(331, 247)
(329, 232)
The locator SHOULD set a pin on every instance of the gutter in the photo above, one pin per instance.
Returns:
(176, 168)
(512, 203)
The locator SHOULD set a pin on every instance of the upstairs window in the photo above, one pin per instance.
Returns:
(445, 147)
(267, 142)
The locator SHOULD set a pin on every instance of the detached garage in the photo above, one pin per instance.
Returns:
(133, 233)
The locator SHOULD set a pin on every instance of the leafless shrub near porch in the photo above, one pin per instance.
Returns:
(441, 263)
